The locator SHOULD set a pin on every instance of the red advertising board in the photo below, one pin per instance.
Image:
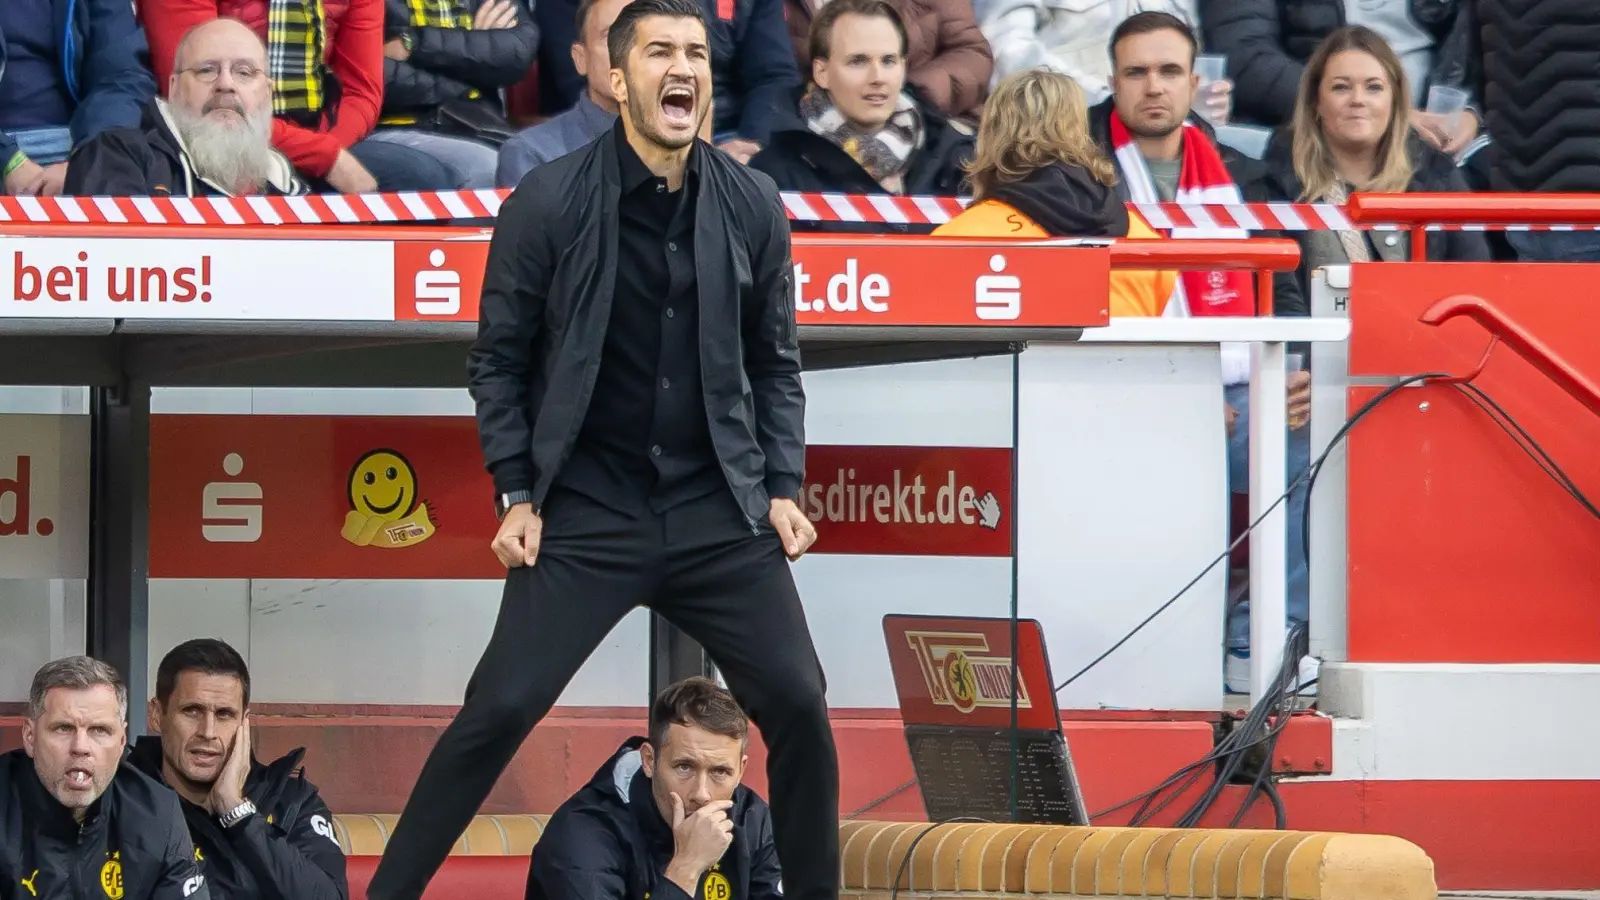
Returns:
(924, 282)
(957, 671)
(407, 497)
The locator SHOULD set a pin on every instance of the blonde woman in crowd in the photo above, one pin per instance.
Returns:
(1038, 173)
(1351, 133)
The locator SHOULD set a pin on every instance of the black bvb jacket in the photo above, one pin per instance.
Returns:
(450, 63)
(609, 842)
(286, 851)
(132, 843)
(546, 302)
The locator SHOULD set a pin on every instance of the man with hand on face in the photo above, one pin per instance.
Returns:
(666, 816)
(261, 831)
(639, 404)
(76, 823)
(212, 136)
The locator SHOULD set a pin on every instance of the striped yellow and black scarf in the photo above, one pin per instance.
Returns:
(296, 30)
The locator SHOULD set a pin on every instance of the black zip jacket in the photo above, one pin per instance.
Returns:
(448, 63)
(286, 851)
(132, 843)
(609, 842)
(546, 301)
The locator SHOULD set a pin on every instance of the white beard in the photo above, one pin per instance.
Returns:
(229, 154)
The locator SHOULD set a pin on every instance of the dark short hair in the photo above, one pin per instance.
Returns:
(205, 655)
(821, 37)
(1148, 22)
(698, 703)
(620, 38)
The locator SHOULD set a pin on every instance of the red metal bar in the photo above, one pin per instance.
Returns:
(1530, 348)
(1270, 254)
(1264, 292)
(1422, 208)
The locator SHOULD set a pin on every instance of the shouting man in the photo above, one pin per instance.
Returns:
(637, 378)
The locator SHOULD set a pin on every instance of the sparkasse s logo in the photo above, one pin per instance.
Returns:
(438, 281)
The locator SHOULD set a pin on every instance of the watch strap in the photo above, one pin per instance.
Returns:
(238, 814)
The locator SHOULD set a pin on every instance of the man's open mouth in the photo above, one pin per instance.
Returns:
(677, 103)
(79, 779)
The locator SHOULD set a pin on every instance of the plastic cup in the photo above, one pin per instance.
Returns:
(1448, 103)
(1212, 69)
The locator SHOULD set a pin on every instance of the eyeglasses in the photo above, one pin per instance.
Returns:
(208, 73)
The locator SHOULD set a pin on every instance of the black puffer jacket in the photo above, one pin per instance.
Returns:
(449, 63)
(1267, 43)
(1541, 62)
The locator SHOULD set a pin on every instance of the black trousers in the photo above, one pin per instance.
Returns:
(701, 568)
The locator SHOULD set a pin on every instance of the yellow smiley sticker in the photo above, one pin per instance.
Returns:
(384, 509)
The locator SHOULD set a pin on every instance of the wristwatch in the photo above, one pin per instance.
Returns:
(238, 814)
(408, 39)
(509, 499)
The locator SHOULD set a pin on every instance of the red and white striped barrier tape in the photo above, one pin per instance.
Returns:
(431, 206)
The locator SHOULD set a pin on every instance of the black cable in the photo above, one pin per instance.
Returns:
(1309, 476)
(1526, 443)
(905, 861)
(882, 800)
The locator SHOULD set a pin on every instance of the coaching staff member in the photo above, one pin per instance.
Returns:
(637, 379)
(666, 817)
(262, 830)
(76, 821)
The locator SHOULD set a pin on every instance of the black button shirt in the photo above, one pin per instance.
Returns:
(645, 437)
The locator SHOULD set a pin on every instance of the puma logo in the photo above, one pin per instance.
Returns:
(28, 883)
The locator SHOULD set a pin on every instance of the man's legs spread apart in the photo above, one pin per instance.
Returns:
(592, 569)
(732, 591)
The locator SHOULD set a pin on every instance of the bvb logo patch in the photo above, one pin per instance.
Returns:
(111, 877)
(716, 887)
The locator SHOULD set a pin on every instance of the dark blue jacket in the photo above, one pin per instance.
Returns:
(103, 56)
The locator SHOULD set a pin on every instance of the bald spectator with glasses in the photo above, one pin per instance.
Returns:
(212, 137)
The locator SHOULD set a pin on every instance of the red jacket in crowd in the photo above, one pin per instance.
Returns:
(353, 51)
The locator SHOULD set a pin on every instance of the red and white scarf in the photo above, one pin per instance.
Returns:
(1203, 179)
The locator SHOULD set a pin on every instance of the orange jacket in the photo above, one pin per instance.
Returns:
(1134, 292)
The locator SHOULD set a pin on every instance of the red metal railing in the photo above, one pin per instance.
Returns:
(1519, 339)
(1418, 210)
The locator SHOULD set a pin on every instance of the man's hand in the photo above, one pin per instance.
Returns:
(495, 14)
(1215, 102)
(395, 49)
(25, 180)
(517, 544)
(349, 176)
(698, 842)
(740, 149)
(1446, 135)
(1230, 416)
(228, 791)
(55, 178)
(1299, 399)
(796, 531)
